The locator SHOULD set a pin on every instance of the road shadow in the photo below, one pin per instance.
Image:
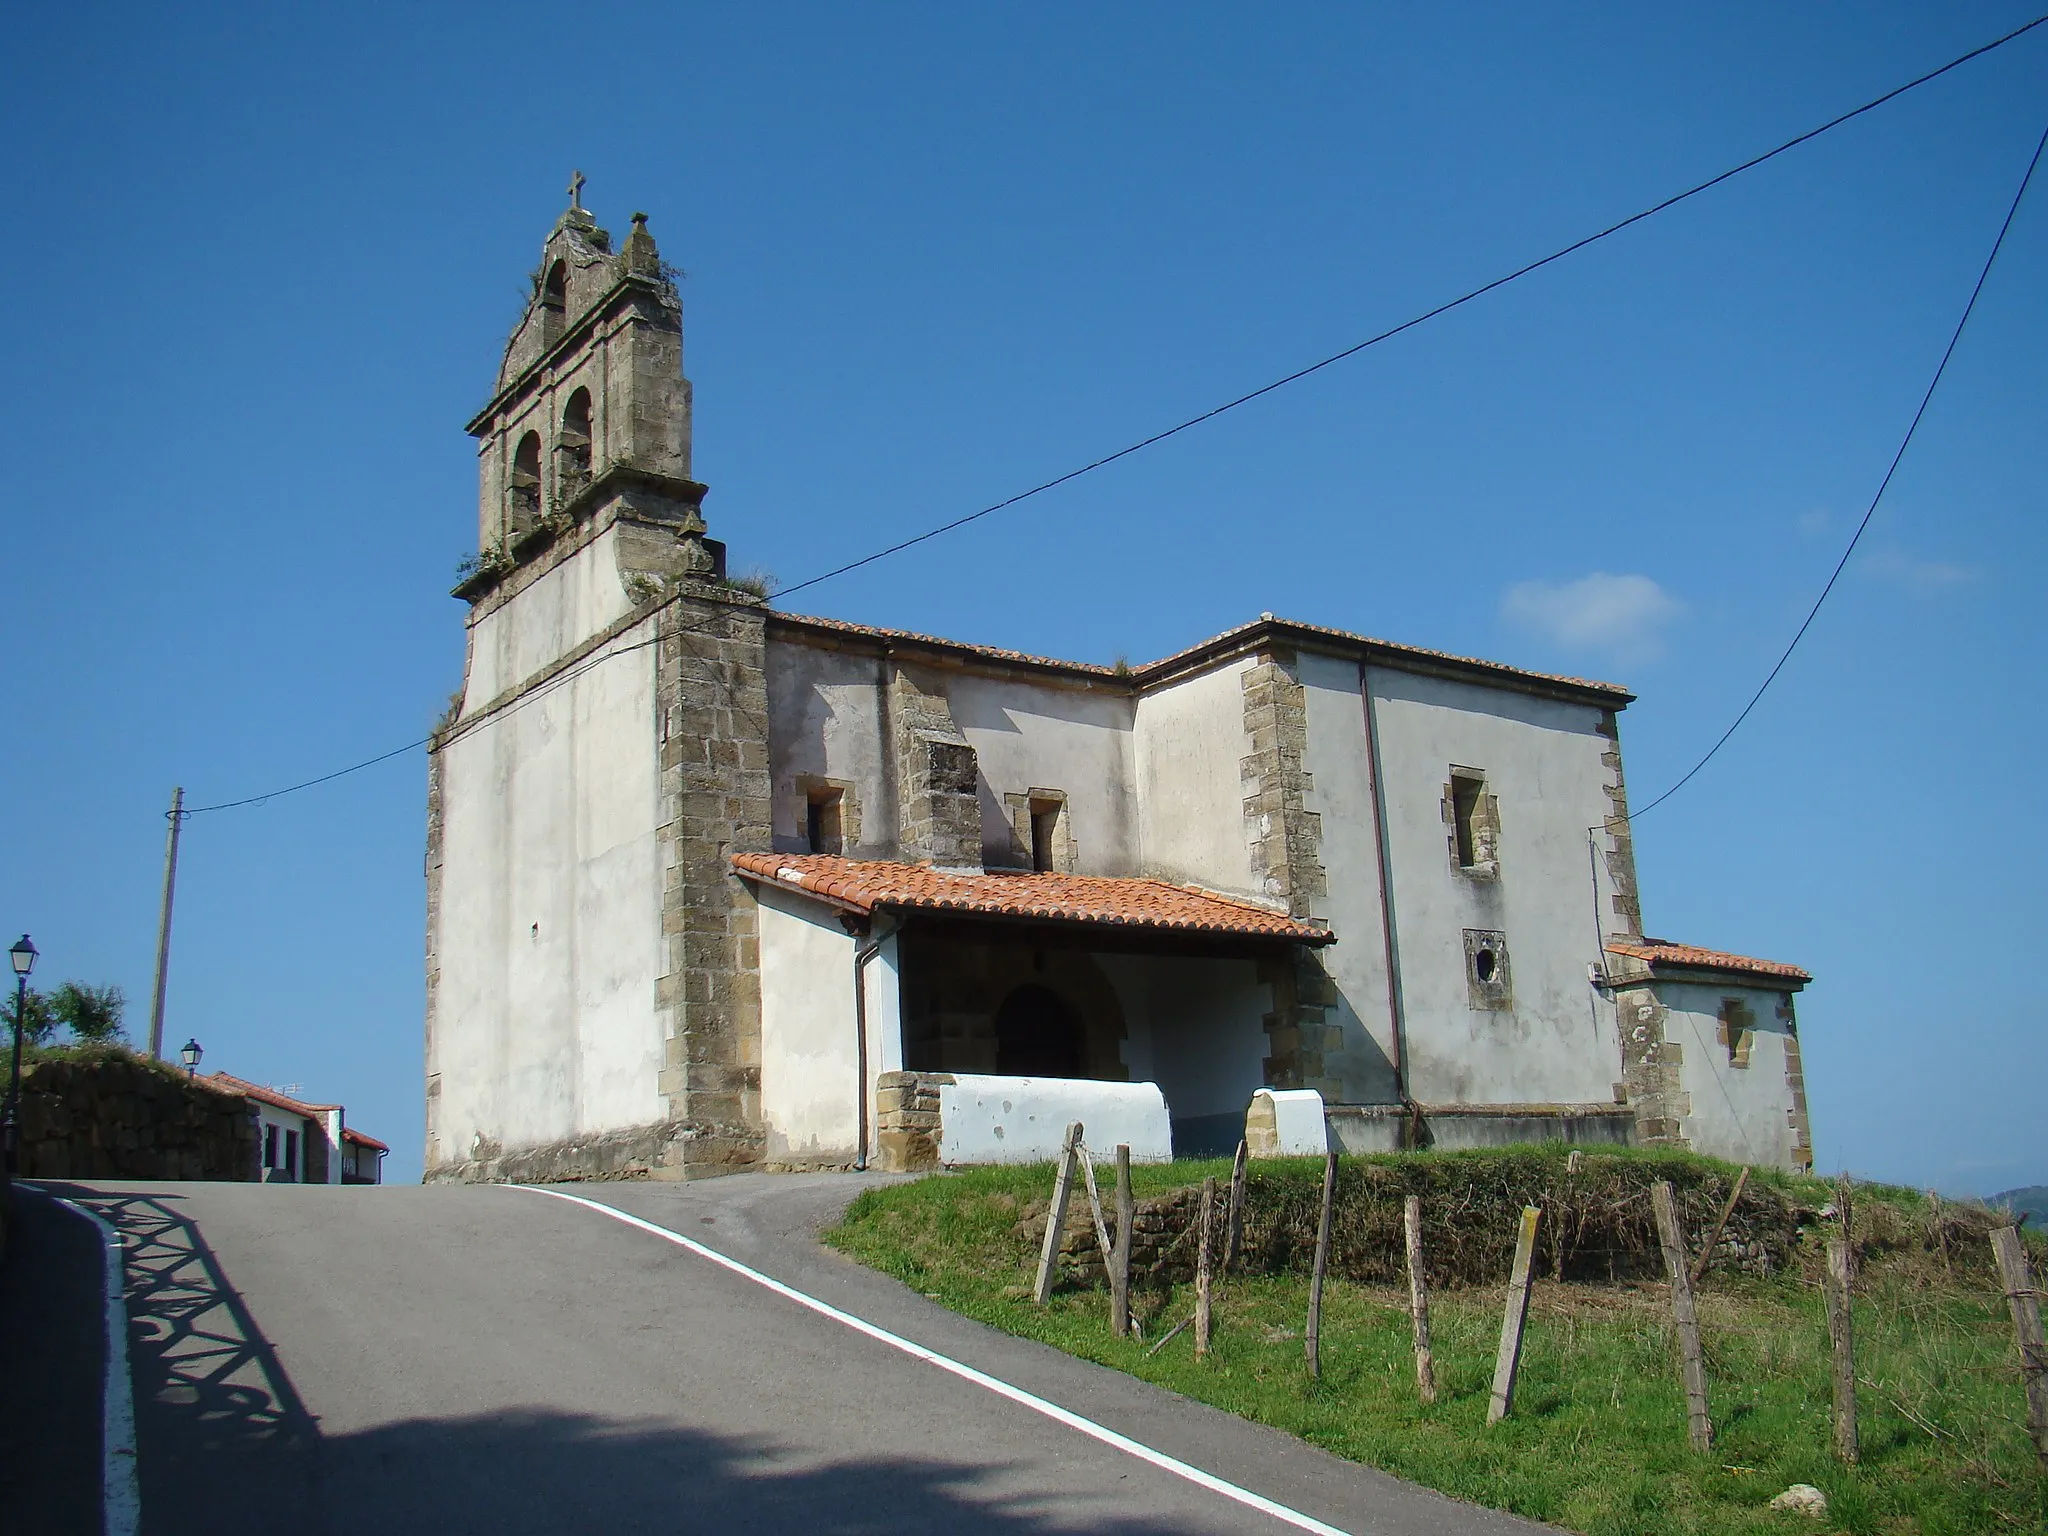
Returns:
(52, 1364)
(227, 1443)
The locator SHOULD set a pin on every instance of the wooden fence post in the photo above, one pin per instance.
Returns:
(2025, 1301)
(1095, 1210)
(1203, 1281)
(1234, 1238)
(1056, 1216)
(1120, 1268)
(1842, 1341)
(1418, 1300)
(1312, 1337)
(1699, 1266)
(1509, 1360)
(1699, 1427)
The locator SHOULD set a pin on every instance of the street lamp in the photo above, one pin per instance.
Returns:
(24, 957)
(190, 1055)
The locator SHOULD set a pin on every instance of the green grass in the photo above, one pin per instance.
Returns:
(1597, 1441)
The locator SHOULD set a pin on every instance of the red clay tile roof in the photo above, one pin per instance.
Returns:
(1158, 905)
(270, 1096)
(1492, 671)
(350, 1133)
(1663, 954)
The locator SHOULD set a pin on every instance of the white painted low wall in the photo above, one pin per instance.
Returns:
(1286, 1122)
(988, 1119)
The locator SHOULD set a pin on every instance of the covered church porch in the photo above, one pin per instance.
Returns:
(1021, 1000)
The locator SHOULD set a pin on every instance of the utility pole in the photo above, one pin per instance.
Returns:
(163, 930)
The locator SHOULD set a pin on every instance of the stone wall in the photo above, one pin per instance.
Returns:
(123, 1118)
(907, 1120)
(712, 697)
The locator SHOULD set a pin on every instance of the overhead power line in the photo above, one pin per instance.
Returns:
(1883, 485)
(1245, 399)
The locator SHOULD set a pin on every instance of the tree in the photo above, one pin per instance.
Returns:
(38, 1022)
(92, 1014)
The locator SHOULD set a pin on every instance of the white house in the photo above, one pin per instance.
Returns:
(715, 886)
(302, 1143)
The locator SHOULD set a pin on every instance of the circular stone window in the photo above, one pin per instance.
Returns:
(1484, 965)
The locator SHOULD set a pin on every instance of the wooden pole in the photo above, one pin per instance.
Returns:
(2025, 1302)
(1120, 1269)
(1056, 1216)
(1203, 1280)
(1842, 1340)
(1095, 1211)
(1509, 1360)
(163, 927)
(1418, 1301)
(1312, 1337)
(1234, 1240)
(1699, 1265)
(1699, 1427)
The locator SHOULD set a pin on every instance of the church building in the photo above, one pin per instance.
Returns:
(712, 886)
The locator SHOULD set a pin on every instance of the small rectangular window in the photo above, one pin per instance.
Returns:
(1467, 794)
(823, 823)
(270, 1146)
(1474, 817)
(1045, 825)
(291, 1154)
(1738, 1031)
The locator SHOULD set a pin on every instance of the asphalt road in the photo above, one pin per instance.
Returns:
(453, 1360)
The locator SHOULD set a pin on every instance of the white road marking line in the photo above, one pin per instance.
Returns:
(997, 1385)
(120, 1493)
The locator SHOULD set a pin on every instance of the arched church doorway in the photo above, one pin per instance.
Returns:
(1038, 1035)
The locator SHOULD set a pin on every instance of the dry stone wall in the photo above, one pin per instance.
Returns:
(122, 1118)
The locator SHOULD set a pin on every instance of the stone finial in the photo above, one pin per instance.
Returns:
(640, 253)
(576, 192)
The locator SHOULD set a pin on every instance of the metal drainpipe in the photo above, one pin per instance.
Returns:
(1395, 1012)
(862, 953)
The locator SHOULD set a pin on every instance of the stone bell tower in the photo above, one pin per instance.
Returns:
(593, 1005)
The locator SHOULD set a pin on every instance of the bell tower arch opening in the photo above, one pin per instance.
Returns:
(572, 445)
(522, 486)
(554, 302)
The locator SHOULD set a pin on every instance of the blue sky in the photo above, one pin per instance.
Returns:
(262, 260)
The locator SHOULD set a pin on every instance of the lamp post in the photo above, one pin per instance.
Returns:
(190, 1053)
(24, 957)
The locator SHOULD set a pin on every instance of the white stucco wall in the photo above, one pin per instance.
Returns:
(1189, 739)
(1193, 1027)
(1740, 1113)
(576, 600)
(1027, 736)
(1340, 793)
(992, 1119)
(1541, 758)
(549, 944)
(811, 1082)
(825, 720)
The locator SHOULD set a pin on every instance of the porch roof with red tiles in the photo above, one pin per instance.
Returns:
(865, 886)
(1664, 956)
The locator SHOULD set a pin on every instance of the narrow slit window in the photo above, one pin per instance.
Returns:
(824, 821)
(1045, 824)
(1468, 796)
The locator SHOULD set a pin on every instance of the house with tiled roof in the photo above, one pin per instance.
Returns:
(298, 1142)
(712, 886)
